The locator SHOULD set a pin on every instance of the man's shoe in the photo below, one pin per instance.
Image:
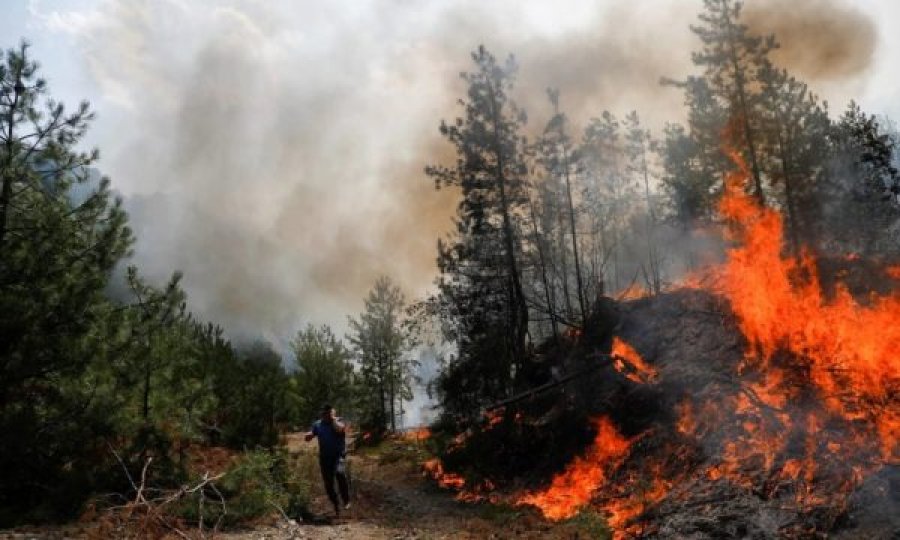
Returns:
(347, 506)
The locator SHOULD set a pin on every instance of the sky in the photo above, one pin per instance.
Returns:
(273, 151)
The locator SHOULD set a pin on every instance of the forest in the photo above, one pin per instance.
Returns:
(578, 374)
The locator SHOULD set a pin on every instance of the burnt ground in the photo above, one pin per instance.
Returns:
(691, 337)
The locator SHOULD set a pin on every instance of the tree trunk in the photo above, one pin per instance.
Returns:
(656, 284)
(7, 172)
(571, 208)
(547, 293)
(518, 311)
(382, 421)
(563, 262)
(793, 224)
(744, 113)
(391, 390)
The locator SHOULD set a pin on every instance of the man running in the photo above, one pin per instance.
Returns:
(332, 434)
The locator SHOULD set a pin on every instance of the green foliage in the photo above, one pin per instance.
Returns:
(56, 256)
(859, 193)
(83, 374)
(592, 524)
(260, 483)
(253, 397)
(380, 343)
(481, 301)
(324, 373)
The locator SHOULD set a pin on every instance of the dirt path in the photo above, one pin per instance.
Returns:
(392, 500)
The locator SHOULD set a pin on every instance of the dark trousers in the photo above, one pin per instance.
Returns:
(328, 466)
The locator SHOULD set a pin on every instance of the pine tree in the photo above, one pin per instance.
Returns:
(859, 194)
(481, 297)
(56, 257)
(638, 144)
(796, 129)
(324, 372)
(380, 343)
(689, 191)
(731, 58)
(558, 157)
(609, 195)
(694, 164)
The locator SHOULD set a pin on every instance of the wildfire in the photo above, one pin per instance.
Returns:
(851, 352)
(634, 292)
(623, 510)
(484, 491)
(810, 411)
(893, 272)
(575, 486)
(435, 469)
(417, 434)
(628, 362)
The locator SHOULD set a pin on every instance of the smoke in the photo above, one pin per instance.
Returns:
(275, 155)
(821, 40)
(273, 151)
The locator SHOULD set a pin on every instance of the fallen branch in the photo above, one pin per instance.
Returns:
(146, 516)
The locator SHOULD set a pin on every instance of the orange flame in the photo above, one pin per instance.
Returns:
(893, 272)
(852, 351)
(840, 358)
(435, 469)
(573, 488)
(417, 434)
(634, 292)
(628, 362)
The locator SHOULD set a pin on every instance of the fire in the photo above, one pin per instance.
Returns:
(483, 491)
(573, 333)
(574, 487)
(435, 469)
(628, 362)
(493, 418)
(417, 434)
(893, 272)
(810, 411)
(622, 511)
(851, 352)
(634, 292)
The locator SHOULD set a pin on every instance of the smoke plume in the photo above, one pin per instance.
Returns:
(274, 151)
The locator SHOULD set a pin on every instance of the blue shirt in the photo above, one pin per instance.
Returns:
(331, 443)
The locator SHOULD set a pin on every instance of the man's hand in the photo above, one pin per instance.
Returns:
(309, 436)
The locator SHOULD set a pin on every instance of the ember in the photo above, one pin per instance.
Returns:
(628, 362)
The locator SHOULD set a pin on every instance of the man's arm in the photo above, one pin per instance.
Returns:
(311, 434)
(340, 426)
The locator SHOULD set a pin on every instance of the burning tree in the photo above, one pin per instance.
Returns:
(774, 408)
(758, 397)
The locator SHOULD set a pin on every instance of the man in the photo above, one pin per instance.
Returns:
(332, 434)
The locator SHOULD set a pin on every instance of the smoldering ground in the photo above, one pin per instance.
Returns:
(274, 151)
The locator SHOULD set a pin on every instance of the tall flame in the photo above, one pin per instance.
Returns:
(851, 351)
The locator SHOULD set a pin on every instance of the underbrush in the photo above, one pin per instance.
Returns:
(256, 486)
(397, 450)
